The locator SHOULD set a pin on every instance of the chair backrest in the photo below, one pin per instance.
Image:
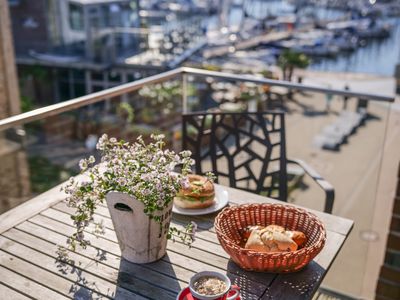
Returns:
(243, 150)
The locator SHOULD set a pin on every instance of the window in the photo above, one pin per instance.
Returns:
(75, 17)
(105, 16)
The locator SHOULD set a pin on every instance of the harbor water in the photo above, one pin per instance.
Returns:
(374, 56)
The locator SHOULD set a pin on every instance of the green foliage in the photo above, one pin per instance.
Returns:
(267, 74)
(44, 175)
(38, 72)
(127, 109)
(210, 67)
(289, 58)
(26, 104)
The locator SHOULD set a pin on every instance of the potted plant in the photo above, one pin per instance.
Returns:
(138, 182)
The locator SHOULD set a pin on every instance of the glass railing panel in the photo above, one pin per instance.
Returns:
(39, 155)
(342, 138)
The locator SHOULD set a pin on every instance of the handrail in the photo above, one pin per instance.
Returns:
(290, 85)
(75, 103)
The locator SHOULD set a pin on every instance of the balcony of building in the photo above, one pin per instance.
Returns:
(351, 138)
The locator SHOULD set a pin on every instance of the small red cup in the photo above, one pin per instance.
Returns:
(232, 290)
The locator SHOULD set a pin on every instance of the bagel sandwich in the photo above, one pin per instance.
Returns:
(198, 194)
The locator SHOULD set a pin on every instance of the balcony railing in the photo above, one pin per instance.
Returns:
(182, 72)
(340, 133)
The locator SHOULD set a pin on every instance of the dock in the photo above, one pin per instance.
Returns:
(248, 43)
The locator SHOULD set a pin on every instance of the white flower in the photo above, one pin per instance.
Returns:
(186, 153)
(159, 186)
(122, 181)
(83, 164)
(185, 183)
(142, 170)
(101, 144)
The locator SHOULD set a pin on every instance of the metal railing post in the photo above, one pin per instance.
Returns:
(184, 92)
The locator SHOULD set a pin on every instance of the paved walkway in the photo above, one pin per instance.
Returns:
(354, 171)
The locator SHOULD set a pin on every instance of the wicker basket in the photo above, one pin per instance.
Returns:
(232, 220)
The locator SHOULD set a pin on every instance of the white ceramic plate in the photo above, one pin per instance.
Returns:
(221, 200)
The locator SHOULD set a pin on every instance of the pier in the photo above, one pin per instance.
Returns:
(248, 43)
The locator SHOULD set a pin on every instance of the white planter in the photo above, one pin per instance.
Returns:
(140, 238)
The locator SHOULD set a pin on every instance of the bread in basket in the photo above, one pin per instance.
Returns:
(233, 220)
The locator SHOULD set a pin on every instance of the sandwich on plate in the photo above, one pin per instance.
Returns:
(198, 193)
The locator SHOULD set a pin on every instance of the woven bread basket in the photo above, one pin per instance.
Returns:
(232, 220)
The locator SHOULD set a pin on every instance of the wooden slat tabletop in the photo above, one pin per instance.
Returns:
(28, 267)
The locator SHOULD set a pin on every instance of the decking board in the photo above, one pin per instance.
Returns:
(8, 293)
(201, 233)
(323, 260)
(106, 266)
(201, 245)
(202, 250)
(96, 268)
(20, 274)
(237, 197)
(44, 268)
(204, 241)
(56, 220)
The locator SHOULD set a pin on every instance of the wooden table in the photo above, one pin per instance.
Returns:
(29, 235)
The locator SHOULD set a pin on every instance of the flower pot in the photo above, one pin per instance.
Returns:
(141, 240)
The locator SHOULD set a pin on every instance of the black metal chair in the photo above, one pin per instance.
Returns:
(245, 151)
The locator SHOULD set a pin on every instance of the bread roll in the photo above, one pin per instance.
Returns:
(275, 228)
(298, 237)
(245, 232)
(273, 238)
(255, 243)
(278, 241)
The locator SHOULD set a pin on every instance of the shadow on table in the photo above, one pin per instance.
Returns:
(299, 285)
(82, 287)
(154, 280)
(252, 284)
(157, 279)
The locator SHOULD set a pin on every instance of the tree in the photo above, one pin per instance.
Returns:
(289, 60)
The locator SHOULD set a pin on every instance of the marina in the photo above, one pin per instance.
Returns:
(362, 41)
